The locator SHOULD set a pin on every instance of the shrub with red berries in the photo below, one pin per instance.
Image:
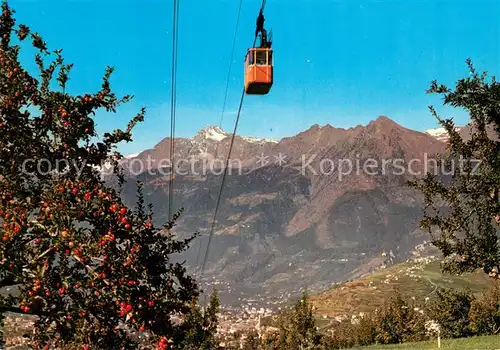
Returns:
(94, 271)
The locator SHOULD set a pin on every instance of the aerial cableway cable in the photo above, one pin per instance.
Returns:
(230, 66)
(175, 32)
(227, 161)
(223, 108)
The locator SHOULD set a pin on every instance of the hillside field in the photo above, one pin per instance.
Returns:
(474, 343)
(413, 279)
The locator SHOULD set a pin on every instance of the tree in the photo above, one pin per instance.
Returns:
(398, 322)
(485, 312)
(297, 327)
(93, 270)
(201, 325)
(464, 210)
(252, 341)
(450, 309)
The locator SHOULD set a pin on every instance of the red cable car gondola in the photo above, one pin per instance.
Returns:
(259, 63)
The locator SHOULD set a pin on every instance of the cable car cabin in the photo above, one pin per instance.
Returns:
(258, 70)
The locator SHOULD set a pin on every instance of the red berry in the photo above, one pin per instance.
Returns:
(123, 211)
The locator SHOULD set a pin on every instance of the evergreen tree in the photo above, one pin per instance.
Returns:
(201, 325)
(298, 326)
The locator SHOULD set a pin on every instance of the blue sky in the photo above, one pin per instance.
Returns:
(336, 62)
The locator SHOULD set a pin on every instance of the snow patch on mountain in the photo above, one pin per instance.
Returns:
(130, 156)
(257, 140)
(440, 133)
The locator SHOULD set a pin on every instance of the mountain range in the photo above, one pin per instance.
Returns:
(291, 214)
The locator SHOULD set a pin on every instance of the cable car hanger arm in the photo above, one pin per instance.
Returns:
(259, 28)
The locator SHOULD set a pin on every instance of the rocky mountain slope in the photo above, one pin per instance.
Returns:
(308, 210)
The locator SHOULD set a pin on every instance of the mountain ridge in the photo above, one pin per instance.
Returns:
(287, 217)
(218, 134)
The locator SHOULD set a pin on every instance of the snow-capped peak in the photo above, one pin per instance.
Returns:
(213, 132)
